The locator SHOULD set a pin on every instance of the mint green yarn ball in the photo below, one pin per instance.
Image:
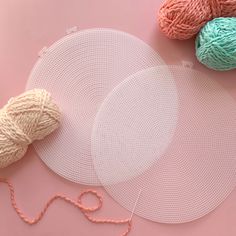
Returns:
(216, 44)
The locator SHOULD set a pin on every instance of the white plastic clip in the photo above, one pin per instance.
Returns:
(42, 51)
(71, 30)
(187, 64)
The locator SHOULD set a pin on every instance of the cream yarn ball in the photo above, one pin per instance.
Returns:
(28, 117)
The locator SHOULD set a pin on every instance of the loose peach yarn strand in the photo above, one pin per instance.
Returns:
(78, 204)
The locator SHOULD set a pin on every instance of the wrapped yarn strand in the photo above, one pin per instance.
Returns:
(31, 116)
(216, 44)
(182, 19)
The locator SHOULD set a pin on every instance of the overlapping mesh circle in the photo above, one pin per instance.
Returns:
(183, 127)
(134, 125)
(79, 71)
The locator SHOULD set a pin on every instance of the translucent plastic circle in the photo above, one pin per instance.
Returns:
(134, 125)
(197, 169)
(79, 71)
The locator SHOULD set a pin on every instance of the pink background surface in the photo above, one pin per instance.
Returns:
(26, 27)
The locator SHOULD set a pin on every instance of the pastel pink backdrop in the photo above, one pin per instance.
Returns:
(26, 27)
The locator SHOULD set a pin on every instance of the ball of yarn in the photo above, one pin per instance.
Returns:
(28, 117)
(182, 19)
(216, 44)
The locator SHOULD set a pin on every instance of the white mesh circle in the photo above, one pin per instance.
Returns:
(197, 170)
(79, 71)
(134, 126)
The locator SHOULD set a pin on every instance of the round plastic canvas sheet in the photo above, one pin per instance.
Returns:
(134, 125)
(79, 71)
(195, 165)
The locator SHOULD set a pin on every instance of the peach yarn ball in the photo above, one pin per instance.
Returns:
(28, 117)
(182, 19)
